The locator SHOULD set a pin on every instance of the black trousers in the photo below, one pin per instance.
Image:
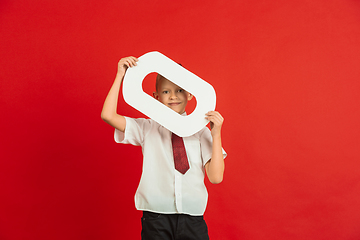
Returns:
(156, 226)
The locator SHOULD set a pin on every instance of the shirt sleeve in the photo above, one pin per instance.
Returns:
(134, 131)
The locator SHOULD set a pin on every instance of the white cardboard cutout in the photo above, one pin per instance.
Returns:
(134, 95)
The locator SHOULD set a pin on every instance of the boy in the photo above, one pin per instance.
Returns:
(171, 192)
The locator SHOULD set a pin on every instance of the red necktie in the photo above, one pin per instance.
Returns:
(180, 157)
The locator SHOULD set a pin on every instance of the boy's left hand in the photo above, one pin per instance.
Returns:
(216, 121)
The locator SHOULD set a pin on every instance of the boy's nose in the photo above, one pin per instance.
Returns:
(172, 95)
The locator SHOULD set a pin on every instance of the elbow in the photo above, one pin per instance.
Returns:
(216, 180)
(105, 117)
(215, 173)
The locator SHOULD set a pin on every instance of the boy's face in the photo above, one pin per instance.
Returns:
(172, 95)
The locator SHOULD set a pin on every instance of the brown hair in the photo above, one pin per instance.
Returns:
(158, 78)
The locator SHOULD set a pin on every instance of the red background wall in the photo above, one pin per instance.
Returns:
(286, 75)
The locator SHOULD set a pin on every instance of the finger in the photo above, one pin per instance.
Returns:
(214, 115)
(124, 64)
(128, 61)
(132, 61)
(130, 64)
(215, 119)
(219, 117)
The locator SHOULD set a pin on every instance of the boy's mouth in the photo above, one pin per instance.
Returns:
(174, 103)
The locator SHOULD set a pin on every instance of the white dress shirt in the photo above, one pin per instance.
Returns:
(162, 188)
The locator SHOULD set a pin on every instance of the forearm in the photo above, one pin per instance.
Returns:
(216, 166)
(109, 111)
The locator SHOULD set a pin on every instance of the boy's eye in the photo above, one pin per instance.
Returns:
(165, 92)
(180, 90)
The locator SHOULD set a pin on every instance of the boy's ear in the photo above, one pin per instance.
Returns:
(190, 96)
(156, 95)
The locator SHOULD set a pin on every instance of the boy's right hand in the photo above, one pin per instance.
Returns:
(125, 63)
